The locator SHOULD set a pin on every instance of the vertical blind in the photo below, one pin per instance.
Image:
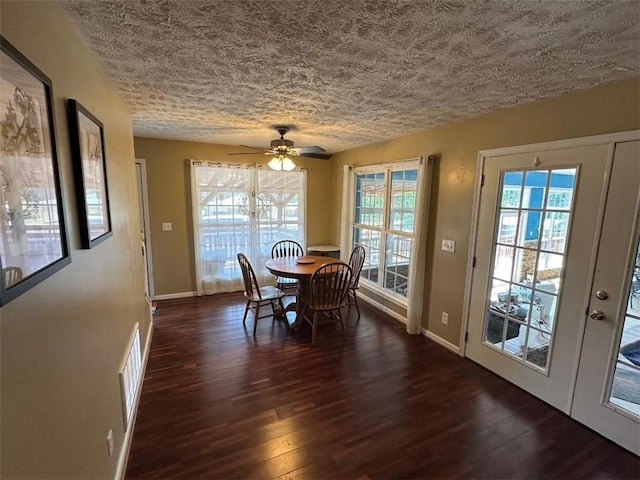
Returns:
(242, 208)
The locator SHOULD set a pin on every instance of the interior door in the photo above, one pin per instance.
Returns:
(607, 393)
(142, 208)
(533, 261)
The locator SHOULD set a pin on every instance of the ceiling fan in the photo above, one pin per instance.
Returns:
(281, 149)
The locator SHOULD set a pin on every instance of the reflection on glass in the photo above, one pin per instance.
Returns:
(535, 188)
(528, 259)
(503, 262)
(625, 389)
(397, 261)
(537, 345)
(369, 199)
(554, 230)
(30, 234)
(561, 193)
(510, 196)
(93, 177)
(507, 228)
(529, 225)
(370, 240)
(403, 200)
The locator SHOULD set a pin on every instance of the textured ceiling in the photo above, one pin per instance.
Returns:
(347, 72)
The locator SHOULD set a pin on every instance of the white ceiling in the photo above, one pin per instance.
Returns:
(347, 72)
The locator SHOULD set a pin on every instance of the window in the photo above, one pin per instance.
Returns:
(242, 209)
(384, 217)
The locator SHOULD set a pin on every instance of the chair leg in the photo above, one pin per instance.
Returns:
(355, 301)
(314, 327)
(344, 327)
(246, 310)
(255, 320)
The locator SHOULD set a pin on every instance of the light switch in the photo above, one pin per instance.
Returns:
(167, 226)
(449, 245)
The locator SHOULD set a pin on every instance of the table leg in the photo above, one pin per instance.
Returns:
(300, 302)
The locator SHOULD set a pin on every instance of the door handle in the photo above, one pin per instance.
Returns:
(598, 315)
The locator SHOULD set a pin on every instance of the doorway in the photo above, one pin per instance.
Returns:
(144, 228)
(556, 230)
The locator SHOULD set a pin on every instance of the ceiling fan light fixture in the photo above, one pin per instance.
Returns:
(281, 162)
(287, 164)
(275, 164)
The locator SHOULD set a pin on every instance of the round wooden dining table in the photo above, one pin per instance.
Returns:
(300, 268)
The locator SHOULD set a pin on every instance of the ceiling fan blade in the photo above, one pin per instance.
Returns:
(322, 156)
(246, 153)
(311, 149)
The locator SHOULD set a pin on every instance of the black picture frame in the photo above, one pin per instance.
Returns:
(90, 175)
(33, 237)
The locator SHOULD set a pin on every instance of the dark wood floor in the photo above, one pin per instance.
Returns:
(219, 403)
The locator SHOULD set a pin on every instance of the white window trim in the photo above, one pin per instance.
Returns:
(414, 303)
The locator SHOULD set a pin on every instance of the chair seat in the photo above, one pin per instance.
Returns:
(267, 293)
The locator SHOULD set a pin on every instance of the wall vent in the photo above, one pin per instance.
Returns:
(130, 378)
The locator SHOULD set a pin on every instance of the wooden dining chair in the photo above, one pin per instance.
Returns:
(11, 275)
(356, 261)
(258, 296)
(287, 248)
(327, 296)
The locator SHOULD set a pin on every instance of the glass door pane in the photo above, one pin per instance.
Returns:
(529, 248)
(223, 221)
(625, 390)
(279, 198)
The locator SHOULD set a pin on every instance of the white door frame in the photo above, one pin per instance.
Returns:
(147, 227)
(482, 156)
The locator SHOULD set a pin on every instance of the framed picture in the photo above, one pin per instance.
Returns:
(33, 238)
(90, 173)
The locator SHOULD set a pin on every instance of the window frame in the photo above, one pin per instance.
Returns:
(387, 169)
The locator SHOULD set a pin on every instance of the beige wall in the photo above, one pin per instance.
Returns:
(169, 195)
(609, 108)
(604, 109)
(62, 342)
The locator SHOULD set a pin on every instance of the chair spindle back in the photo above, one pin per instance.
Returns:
(329, 285)
(249, 276)
(356, 261)
(287, 248)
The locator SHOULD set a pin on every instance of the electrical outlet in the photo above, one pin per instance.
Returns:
(449, 246)
(167, 227)
(445, 318)
(110, 442)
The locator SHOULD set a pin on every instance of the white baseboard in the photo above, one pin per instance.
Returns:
(386, 310)
(169, 296)
(431, 336)
(440, 341)
(126, 444)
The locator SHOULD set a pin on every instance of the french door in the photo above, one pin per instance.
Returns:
(242, 208)
(607, 394)
(540, 219)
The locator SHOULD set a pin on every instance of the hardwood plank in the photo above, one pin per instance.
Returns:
(219, 403)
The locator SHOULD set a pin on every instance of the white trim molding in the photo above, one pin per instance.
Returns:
(385, 309)
(440, 341)
(170, 296)
(609, 138)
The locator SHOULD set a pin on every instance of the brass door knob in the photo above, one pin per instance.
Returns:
(598, 315)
